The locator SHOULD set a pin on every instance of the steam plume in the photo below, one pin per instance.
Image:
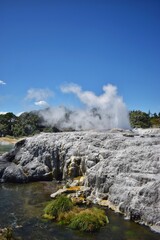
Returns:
(101, 112)
(39, 96)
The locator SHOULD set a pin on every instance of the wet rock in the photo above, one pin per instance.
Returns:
(14, 173)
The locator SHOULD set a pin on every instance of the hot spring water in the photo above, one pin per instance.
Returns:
(21, 207)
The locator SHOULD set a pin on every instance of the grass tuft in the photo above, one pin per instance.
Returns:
(64, 212)
(59, 205)
(89, 220)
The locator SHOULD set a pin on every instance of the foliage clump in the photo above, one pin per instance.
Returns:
(139, 119)
(65, 218)
(64, 212)
(89, 220)
(59, 205)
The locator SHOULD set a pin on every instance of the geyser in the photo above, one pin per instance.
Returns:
(100, 112)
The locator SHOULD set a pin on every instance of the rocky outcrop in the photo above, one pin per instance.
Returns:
(121, 168)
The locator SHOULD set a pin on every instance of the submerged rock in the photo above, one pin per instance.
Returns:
(121, 168)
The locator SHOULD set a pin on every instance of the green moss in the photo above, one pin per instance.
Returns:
(89, 220)
(66, 217)
(62, 210)
(59, 205)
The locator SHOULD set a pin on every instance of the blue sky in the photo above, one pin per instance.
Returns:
(45, 44)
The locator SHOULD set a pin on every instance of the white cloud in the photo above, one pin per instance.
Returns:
(38, 94)
(2, 82)
(41, 103)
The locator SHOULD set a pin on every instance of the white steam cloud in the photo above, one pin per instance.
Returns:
(41, 103)
(39, 96)
(101, 112)
(90, 99)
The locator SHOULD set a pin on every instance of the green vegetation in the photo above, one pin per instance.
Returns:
(64, 212)
(89, 220)
(139, 119)
(28, 123)
(7, 122)
(155, 120)
(59, 205)
(66, 217)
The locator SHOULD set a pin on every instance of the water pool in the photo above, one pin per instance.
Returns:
(21, 206)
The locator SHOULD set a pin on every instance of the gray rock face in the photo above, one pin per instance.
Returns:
(120, 167)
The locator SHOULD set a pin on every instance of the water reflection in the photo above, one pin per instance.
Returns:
(21, 206)
(5, 148)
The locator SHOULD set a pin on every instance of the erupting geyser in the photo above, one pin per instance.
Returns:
(100, 112)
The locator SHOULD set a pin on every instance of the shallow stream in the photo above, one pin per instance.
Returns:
(21, 206)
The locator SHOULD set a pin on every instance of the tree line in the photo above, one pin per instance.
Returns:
(139, 119)
(30, 123)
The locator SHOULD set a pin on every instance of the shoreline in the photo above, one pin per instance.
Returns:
(9, 140)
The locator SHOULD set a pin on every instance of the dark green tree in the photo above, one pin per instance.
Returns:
(28, 124)
(7, 122)
(139, 119)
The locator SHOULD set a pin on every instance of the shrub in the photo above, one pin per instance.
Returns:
(89, 220)
(59, 205)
